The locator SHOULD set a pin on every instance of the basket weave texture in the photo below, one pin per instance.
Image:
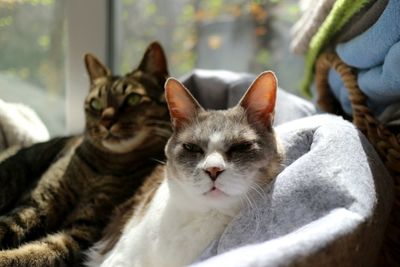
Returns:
(385, 141)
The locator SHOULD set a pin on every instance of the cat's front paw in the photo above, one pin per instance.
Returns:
(6, 260)
(2, 234)
(7, 237)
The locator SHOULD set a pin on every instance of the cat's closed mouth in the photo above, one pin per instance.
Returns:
(215, 192)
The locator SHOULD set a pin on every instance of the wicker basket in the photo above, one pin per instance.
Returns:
(385, 141)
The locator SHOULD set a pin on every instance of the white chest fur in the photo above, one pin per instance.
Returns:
(168, 235)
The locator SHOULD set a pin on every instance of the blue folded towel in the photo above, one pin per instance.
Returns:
(370, 48)
(382, 83)
(375, 54)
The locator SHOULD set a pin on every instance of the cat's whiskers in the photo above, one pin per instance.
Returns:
(94, 129)
(124, 129)
(158, 161)
(257, 189)
(98, 135)
(96, 132)
(158, 122)
(161, 132)
(254, 211)
(245, 202)
(249, 201)
(242, 201)
(160, 129)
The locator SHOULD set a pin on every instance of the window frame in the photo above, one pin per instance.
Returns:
(89, 29)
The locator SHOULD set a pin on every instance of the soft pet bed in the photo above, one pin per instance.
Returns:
(328, 207)
(20, 126)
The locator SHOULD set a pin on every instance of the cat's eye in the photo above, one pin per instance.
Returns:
(241, 147)
(96, 105)
(192, 148)
(133, 99)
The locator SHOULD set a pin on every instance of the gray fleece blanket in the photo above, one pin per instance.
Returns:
(328, 207)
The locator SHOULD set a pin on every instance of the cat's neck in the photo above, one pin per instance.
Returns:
(105, 162)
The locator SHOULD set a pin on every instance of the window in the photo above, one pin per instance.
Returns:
(32, 58)
(43, 42)
(237, 35)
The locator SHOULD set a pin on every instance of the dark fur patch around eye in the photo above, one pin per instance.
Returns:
(240, 147)
(188, 159)
(192, 148)
(243, 152)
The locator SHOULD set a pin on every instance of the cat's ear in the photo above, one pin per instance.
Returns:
(182, 106)
(95, 68)
(154, 60)
(259, 100)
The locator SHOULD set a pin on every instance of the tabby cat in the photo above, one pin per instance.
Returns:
(127, 126)
(215, 160)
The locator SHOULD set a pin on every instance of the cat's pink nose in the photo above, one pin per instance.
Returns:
(214, 172)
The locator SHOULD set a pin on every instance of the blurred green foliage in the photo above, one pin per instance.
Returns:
(179, 24)
(32, 42)
(32, 34)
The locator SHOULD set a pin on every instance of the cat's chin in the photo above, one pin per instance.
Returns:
(218, 199)
(190, 198)
(216, 193)
(124, 145)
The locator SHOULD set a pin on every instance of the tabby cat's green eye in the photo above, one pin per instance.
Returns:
(95, 104)
(134, 99)
(192, 148)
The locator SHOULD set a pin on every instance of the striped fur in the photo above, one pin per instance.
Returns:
(21, 171)
(68, 206)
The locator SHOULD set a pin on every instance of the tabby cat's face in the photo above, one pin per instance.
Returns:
(218, 157)
(124, 113)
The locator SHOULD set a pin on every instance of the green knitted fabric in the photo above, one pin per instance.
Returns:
(341, 12)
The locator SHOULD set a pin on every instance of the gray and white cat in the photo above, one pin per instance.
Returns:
(215, 159)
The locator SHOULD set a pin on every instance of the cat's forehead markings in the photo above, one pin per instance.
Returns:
(93, 93)
(215, 141)
(128, 86)
(101, 90)
(215, 137)
(197, 131)
(117, 86)
(138, 90)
